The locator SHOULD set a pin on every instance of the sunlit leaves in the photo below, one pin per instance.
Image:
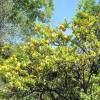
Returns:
(53, 62)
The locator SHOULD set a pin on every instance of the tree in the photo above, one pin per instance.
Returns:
(88, 11)
(53, 65)
(91, 7)
(48, 67)
(18, 17)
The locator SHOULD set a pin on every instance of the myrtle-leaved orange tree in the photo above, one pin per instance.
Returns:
(53, 65)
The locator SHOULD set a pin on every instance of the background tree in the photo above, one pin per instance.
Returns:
(17, 17)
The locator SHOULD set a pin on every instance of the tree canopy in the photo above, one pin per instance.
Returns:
(18, 16)
(52, 65)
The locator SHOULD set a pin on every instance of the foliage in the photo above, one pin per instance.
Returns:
(52, 65)
(18, 16)
(48, 67)
(89, 6)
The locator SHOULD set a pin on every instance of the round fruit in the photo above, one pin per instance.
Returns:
(62, 27)
(65, 37)
(35, 29)
(47, 41)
